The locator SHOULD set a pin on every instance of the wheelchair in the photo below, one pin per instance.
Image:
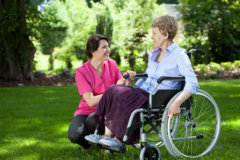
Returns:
(191, 134)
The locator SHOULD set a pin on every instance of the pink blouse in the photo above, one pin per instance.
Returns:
(88, 80)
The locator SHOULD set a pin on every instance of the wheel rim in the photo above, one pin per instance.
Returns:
(144, 155)
(154, 155)
(200, 132)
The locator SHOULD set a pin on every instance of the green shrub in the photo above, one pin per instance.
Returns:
(236, 64)
(228, 66)
(201, 68)
(215, 66)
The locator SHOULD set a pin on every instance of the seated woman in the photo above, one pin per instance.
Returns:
(118, 102)
(92, 79)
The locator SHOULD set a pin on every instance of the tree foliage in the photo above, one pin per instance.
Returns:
(52, 29)
(81, 24)
(131, 27)
(126, 23)
(214, 26)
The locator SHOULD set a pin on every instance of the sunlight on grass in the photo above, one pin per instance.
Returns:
(3, 151)
(234, 95)
(62, 128)
(31, 156)
(233, 123)
(25, 141)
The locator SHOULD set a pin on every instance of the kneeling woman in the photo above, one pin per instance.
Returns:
(92, 79)
(118, 102)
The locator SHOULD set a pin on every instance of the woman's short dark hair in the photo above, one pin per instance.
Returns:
(93, 44)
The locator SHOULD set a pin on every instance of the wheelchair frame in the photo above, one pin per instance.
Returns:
(188, 134)
(170, 127)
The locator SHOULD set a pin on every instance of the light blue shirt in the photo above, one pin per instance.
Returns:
(175, 63)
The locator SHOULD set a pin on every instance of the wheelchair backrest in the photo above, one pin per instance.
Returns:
(161, 98)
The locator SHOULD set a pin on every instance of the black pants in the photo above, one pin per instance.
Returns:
(81, 126)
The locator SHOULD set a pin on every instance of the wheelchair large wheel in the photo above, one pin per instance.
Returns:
(144, 155)
(197, 128)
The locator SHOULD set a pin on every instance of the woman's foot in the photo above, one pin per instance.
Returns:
(112, 143)
(93, 138)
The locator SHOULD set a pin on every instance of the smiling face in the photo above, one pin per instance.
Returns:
(103, 51)
(158, 38)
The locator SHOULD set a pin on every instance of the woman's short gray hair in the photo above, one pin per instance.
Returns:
(166, 24)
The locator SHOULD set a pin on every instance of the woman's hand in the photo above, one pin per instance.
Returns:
(121, 81)
(131, 74)
(174, 109)
(175, 106)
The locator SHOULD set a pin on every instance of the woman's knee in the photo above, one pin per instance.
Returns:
(77, 128)
(75, 134)
(115, 89)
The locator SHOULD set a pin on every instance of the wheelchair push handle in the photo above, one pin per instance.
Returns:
(138, 76)
(198, 51)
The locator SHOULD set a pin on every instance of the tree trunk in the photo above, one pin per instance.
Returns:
(17, 51)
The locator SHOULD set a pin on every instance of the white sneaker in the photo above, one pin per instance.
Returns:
(110, 142)
(94, 138)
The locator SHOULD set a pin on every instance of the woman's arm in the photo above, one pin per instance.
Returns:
(175, 106)
(92, 100)
(191, 84)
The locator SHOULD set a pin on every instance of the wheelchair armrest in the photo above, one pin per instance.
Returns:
(138, 76)
(166, 78)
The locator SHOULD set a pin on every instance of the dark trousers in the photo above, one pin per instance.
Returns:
(81, 126)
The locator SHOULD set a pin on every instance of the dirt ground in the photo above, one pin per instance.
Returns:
(49, 80)
(58, 80)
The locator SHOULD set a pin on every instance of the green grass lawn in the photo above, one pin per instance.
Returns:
(34, 123)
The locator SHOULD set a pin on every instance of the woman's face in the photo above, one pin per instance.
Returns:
(103, 51)
(158, 38)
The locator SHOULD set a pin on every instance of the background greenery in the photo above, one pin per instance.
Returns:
(50, 35)
(34, 125)
(60, 29)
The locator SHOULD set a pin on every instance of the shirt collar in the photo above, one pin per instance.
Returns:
(171, 47)
(156, 50)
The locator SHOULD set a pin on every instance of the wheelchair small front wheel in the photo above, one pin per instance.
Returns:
(154, 153)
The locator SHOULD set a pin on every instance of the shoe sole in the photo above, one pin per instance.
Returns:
(91, 141)
(107, 146)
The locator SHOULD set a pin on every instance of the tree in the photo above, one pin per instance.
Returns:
(214, 26)
(52, 29)
(16, 49)
(105, 23)
(82, 24)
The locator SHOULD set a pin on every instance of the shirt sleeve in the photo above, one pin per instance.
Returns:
(83, 84)
(185, 69)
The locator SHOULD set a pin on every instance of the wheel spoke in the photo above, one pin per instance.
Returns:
(197, 131)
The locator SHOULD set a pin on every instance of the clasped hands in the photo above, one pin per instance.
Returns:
(127, 82)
